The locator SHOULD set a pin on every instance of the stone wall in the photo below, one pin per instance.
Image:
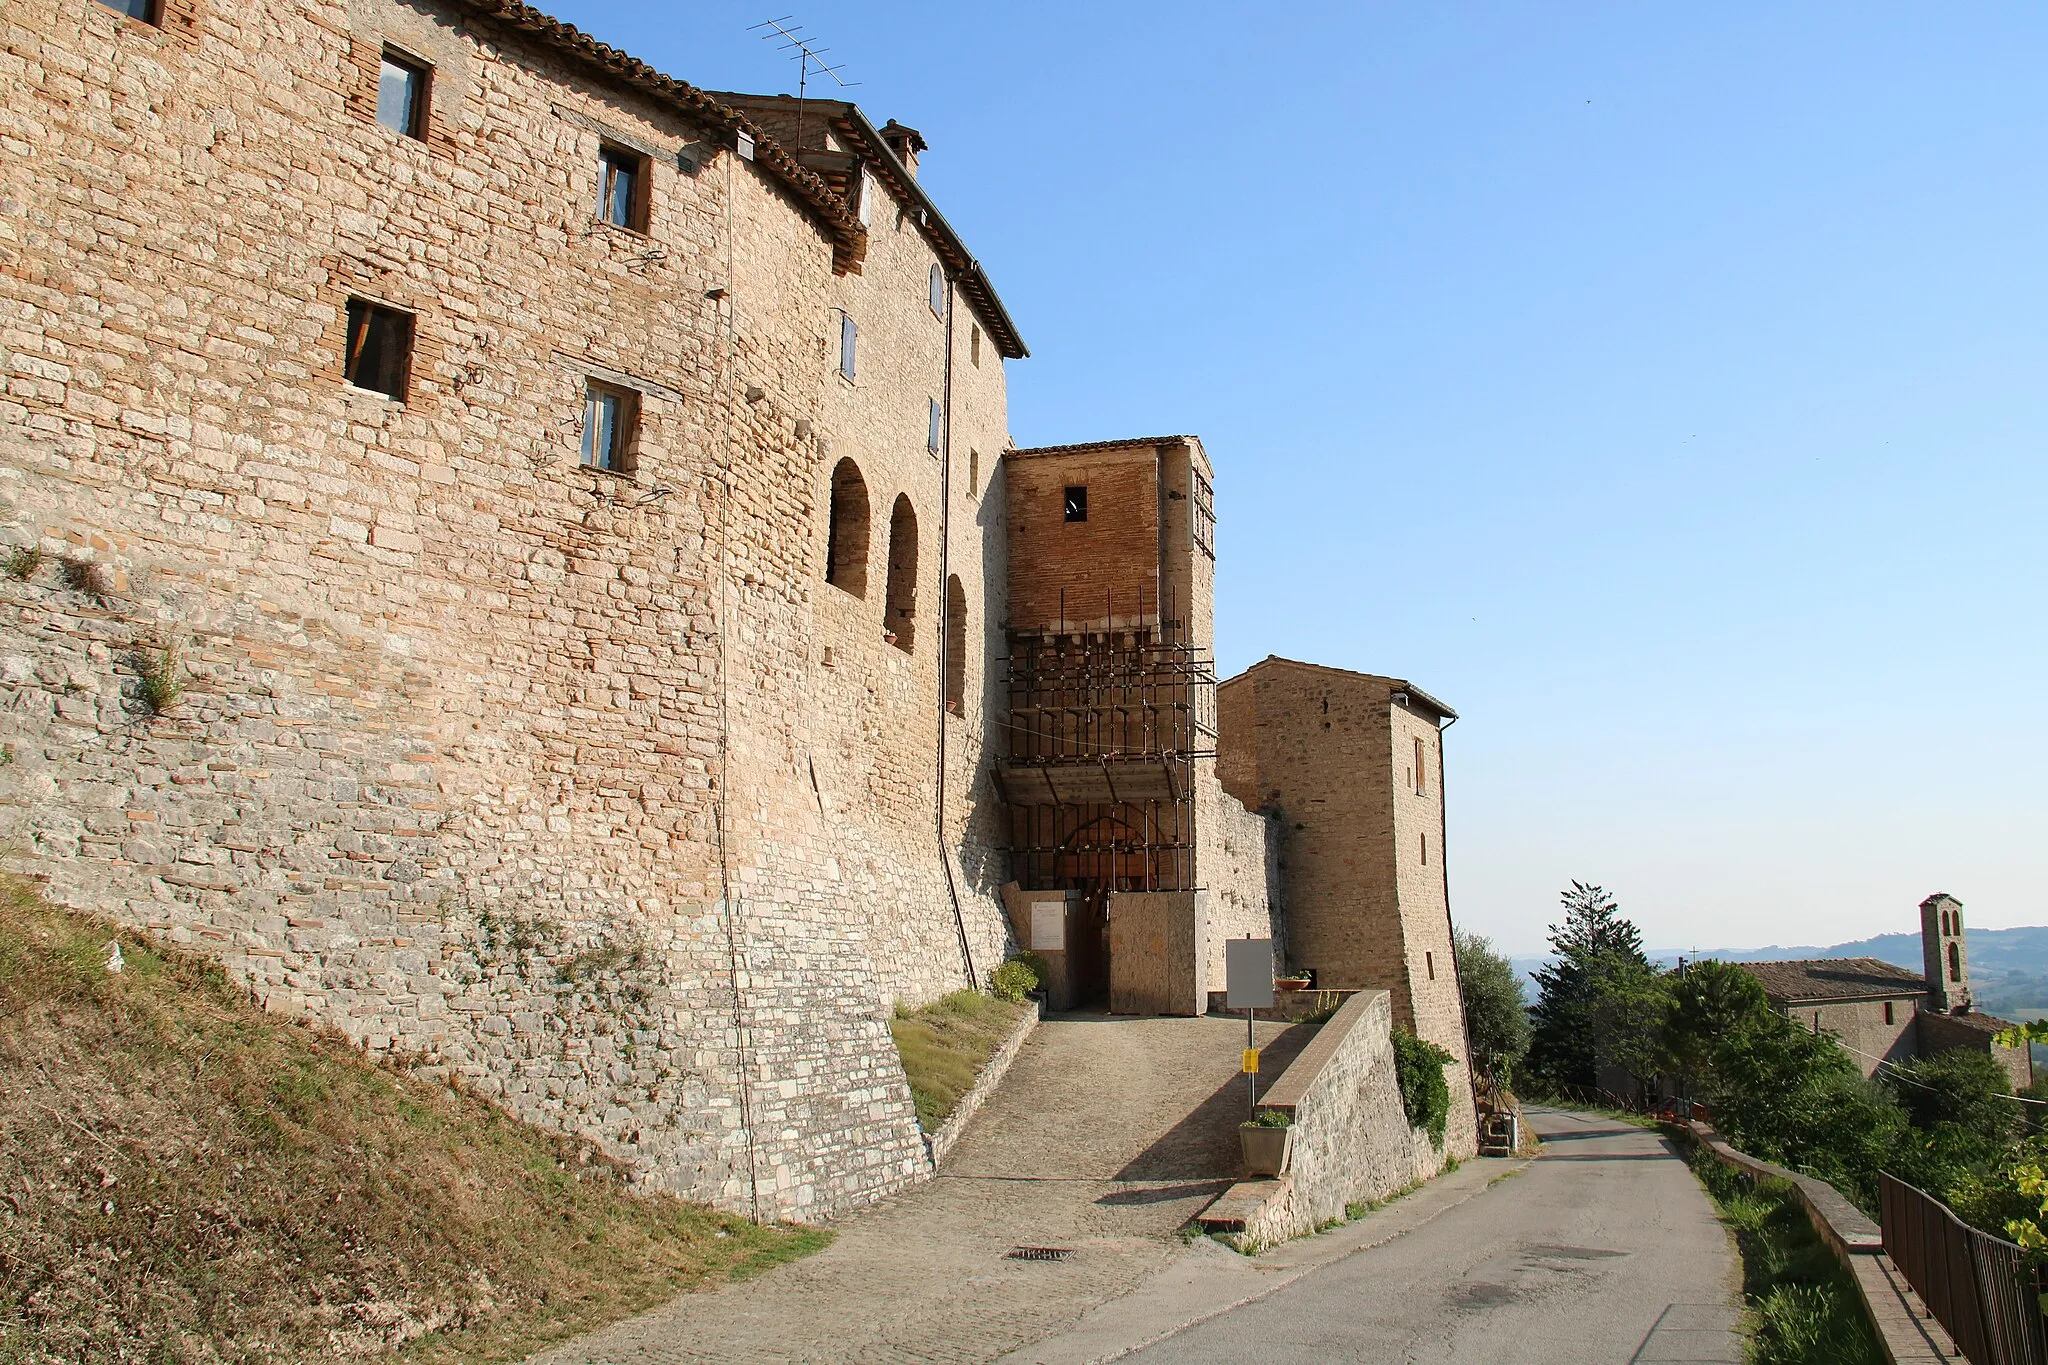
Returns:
(1351, 1141)
(582, 786)
(1237, 859)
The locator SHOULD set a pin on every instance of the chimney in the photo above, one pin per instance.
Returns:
(905, 142)
(1945, 953)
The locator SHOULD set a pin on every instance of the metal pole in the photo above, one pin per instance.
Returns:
(1251, 1078)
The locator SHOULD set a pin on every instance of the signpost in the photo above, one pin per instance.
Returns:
(1248, 982)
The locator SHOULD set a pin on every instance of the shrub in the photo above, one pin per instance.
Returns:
(23, 561)
(163, 681)
(1014, 980)
(1425, 1095)
(1271, 1118)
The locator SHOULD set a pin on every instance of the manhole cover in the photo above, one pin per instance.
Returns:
(1038, 1253)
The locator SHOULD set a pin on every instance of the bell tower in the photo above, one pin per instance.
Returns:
(1945, 953)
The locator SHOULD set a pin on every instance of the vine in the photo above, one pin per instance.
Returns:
(1425, 1095)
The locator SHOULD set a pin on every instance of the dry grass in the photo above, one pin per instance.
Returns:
(184, 1179)
(945, 1045)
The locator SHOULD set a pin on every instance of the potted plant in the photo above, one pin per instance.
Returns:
(1293, 981)
(1268, 1139)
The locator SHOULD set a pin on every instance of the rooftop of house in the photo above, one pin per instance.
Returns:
(1396, 687)
(1834, 978)
(804, 124)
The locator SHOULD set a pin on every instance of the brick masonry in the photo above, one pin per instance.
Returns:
(582, 786)
(1330, 755)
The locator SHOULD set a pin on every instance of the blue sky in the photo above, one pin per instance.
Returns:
(1664, 389)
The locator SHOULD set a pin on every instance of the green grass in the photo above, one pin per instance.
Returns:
(945, 1045)
(1801, 1306)
(184, 1179)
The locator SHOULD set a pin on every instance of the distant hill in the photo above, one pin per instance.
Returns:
(2008, 967)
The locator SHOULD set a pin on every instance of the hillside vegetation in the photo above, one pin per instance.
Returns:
(945, 1045)
(185, 1179)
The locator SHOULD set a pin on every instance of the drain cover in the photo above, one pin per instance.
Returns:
(1038, 1253)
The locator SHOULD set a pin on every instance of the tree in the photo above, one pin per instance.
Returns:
(1710, 1002)
(1631, 1007)
(1592, 943)
(1964, 1117)
(1496, 1014)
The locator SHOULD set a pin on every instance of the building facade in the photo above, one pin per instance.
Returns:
(576, 513)
(1350, 766)
(1882, 1014)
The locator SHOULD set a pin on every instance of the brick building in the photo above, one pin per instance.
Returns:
(576, 508)
(1350, 766)
(1883, 1013)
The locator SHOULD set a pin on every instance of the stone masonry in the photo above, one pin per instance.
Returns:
(632, 797)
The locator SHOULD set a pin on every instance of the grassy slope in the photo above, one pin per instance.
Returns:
(1802, 1307)
(945, 1045)
(183, 1178)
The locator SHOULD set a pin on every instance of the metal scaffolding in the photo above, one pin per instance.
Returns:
(1103, 730)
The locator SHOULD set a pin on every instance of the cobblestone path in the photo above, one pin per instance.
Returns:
(1107, 1135)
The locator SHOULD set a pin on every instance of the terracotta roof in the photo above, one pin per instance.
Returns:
(1415, 694)
(1982, 1023)
(1132, 443)
(1834, 978)
(874, 150)
(849, 238)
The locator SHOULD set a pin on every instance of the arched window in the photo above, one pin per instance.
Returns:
(901, 618)
(1955, 963)
(956, 646)
(846, 539)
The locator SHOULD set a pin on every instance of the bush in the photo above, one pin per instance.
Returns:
(1014, 980)
(1271, 1118)
(1425, 1095)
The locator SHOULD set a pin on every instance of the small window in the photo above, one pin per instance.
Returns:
(610, 419)
(1425, 848)
(866, 191)
(1955, 963)
(1421, 782)
(1816, 1021)
(1887, 1009)
(849, 340)
(622, 188)
(938, 292)
(145, 10)
(402, 100)
(973, 470)
(1077, 502)
(379, 356)
(1429, 962)
(935, 429)
(974, 343)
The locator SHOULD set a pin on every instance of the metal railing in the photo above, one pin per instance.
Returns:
(1978, 1286)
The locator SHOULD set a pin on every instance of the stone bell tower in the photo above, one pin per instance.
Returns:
(1945, 952)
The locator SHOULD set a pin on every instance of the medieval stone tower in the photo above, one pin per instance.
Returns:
(1352, 766)
(1946, 953)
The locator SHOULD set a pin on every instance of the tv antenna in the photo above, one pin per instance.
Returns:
(809, 57)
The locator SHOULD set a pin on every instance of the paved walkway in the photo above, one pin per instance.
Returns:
(1604, 1249)
(1107, 1135)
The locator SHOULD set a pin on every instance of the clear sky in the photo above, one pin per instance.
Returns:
(1664, 387)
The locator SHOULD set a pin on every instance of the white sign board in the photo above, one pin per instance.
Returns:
(1248, 972)
(1049, 926)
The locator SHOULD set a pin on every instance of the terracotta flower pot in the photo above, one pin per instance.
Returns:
(1266, 1149)
(1290, 983)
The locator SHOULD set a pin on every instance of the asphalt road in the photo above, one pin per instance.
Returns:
(1603, 1250)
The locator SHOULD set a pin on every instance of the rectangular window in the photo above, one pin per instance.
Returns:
(1421, 783)
(974, 343)
(1429, 961)
(379, 355)
(1887, 1009)
(610, 419)
(934, 431)
(866, 191)
(145, 10)
(938, 299)
(622, 188)
(849, 340)
(1425, 848)
(402, 95)
(1077, 502)
(973, 470)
